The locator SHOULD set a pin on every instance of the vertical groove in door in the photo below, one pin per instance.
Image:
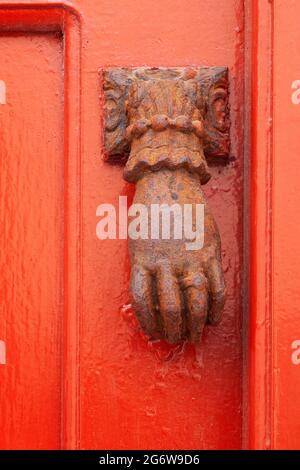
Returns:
(260, 361)
(73, 250)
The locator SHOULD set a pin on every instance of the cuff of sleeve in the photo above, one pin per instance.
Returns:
(149, 159)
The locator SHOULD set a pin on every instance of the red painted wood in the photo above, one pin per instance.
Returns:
(106, 386)
(286, 228)
(31, 240)
(274, 365)
(260, 416)
(19, 21)
(135, 394)
(74, 369)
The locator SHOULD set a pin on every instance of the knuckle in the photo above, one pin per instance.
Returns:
(173, 312)
(197, 281)
(219, 296)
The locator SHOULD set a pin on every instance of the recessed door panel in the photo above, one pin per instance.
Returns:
(31, 240)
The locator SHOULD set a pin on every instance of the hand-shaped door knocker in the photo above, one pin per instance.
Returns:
(169, 123)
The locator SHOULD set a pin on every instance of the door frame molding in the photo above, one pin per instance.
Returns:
(63, 18)
(260, 341)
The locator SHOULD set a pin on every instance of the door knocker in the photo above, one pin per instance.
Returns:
(168, 124)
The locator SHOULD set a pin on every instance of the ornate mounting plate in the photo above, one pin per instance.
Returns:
(208, 89)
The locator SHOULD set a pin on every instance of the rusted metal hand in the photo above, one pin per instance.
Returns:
(176, 291)
(169, 122)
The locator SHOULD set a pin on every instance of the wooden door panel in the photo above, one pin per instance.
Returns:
(75, 370)
(72, 340)
(133, 393)
(31, 240)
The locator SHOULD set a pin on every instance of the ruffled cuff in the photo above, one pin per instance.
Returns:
(154, 159)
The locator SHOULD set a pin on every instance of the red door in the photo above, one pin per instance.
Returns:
(76, 371)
